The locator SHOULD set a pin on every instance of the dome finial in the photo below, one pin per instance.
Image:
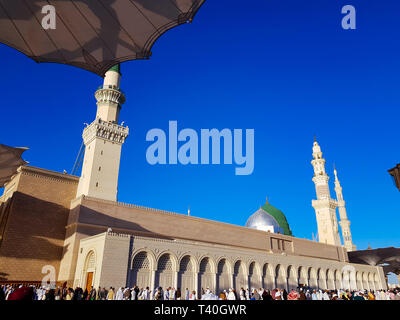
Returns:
(266, 200)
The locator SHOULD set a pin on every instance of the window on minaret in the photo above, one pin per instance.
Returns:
(99, 168)
(97, 184)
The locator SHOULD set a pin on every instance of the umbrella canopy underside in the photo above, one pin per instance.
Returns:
(91, 34)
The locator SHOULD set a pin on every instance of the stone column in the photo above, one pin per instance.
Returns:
(215, 283)
(152, 279)
(196, 282)
(175, 280)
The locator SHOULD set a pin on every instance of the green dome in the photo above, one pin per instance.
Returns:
(279, 217)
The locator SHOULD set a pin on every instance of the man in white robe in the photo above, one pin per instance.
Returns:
(231, 295)
(119, 295)
(171, 293)
(166, 294)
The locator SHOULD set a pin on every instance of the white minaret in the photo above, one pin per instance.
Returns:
(344, 222)
(325, 207)
(103, 140)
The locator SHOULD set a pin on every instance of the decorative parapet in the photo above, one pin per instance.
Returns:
(110, 94)
(324, 203)
(105, 130)
(117, 235)
(48, 174)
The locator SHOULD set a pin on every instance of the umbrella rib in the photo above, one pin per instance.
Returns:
(145, 16)
(66, 26)
(175, 6)
(84, 17)
(16, 28)
(116, 20)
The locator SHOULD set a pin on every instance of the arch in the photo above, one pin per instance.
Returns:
(206, 274)
(140, 273)
(186, 273)
(254, 276)
(225, 264)
(302, 276)
(150, 256)
(280, 277)
(89, 271)
(239, 275)
(312, 278)
(292, 277)
(268, 279)
(165, 273)
(224, 275)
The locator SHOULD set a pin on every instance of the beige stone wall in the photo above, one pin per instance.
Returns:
(42, 224)
(269, 269)
(91, 245)
(220, 267)
(112, 254)
(115, 260)
(90, 216)
(33, 224)
(146, 221)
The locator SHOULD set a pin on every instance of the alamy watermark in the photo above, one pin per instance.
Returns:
(49, 280)
(348, 21)
(49, 20)
(348, 277)
(188, 152)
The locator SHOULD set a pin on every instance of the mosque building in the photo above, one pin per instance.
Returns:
(76, 225)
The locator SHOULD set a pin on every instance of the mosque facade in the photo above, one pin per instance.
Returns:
(76, 225)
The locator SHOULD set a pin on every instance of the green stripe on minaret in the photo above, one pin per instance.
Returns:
(116, 68)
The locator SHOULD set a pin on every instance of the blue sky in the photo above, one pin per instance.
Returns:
(283, 68)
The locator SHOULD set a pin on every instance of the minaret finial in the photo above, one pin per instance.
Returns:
(315, 138)
(189, 211)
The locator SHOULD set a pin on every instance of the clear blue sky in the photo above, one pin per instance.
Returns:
(284, 68)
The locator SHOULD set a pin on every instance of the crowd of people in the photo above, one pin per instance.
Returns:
(9, 292)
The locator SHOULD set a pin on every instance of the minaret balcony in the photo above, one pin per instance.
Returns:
(105, 130)
(110, 94)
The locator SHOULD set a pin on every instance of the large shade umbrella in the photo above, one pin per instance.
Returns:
(10, 161)
(90, 34)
